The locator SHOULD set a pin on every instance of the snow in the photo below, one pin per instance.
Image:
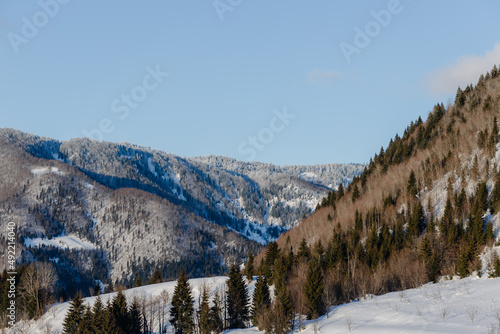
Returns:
(151, 166)
(65, 241)
(308, 176)
(415, 311)
(444, 307)
(45, 170)
(55, 315)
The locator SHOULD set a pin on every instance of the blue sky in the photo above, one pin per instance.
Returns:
(254, 80)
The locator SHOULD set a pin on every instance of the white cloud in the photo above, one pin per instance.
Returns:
(321, 76)
(464, 71)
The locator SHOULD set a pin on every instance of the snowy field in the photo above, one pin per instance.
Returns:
(64, 241)
(470, 305)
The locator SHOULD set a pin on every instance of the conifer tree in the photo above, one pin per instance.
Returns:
(204, 312)
(249, 268)
(120, 312)
(282, 309)
(156, 277)
(182, 306)
(412, 185)
(98, 316)
(237, 299)
(135, 322)
(355, 193)
(85, 326)
(138, 282)
(417, 221)
(304, 251)
(216, 323)
(74, 315)
(340, 191)
(261, 299)
(110, 326)
(313, 290)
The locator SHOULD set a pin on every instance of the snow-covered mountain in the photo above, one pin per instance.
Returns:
(122, 209)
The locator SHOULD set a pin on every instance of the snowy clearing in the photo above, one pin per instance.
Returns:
(65, 241)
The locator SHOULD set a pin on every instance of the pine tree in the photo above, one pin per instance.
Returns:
(138, 282)
(120, 312)
(156, 277)
(85, 326)
(237, 299)
(261, 299)
(304, 251)
(98, 316)
(216, 323)
(249, 268)
(135, 322)
(182, 306)
(340, 191)
(412, 185)
(204, 312)
(74, 315)
(313, 290)
(282, 309)
(110, 326)
(355, 193)
(417, 221)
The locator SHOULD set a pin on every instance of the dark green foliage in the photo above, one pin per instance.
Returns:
(411, 186)
(156, 277)
(460, 98)
(237, 299)
(272, 253)
(216, 322)
(120, 313)
(182, 306)
(74, 315)
(495, 195)
(495, 272)
(416, 223)
(282, 310)
(340, 191)
(313, 290)
(355, 193)
(249, 268)
(98, 316)
(304, 251)
(135, 322)
(261, 299)
(204, 313)
(138, 282)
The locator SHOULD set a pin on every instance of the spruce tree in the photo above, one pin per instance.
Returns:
(216, 323)
(304, 251)
(313, 290)
(282, 309)
(204, 312)
(182, 306)
(249, 268)
(85, 326)
(412, 185)
(355, 193)
(261, 299)
(237, 299)
(98, 316)
(74, 315)
(135, 322)
(110, 326)
(156, 277)
(340, 191)
(120, 312)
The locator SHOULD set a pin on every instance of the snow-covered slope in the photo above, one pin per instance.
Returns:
(465, 306)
